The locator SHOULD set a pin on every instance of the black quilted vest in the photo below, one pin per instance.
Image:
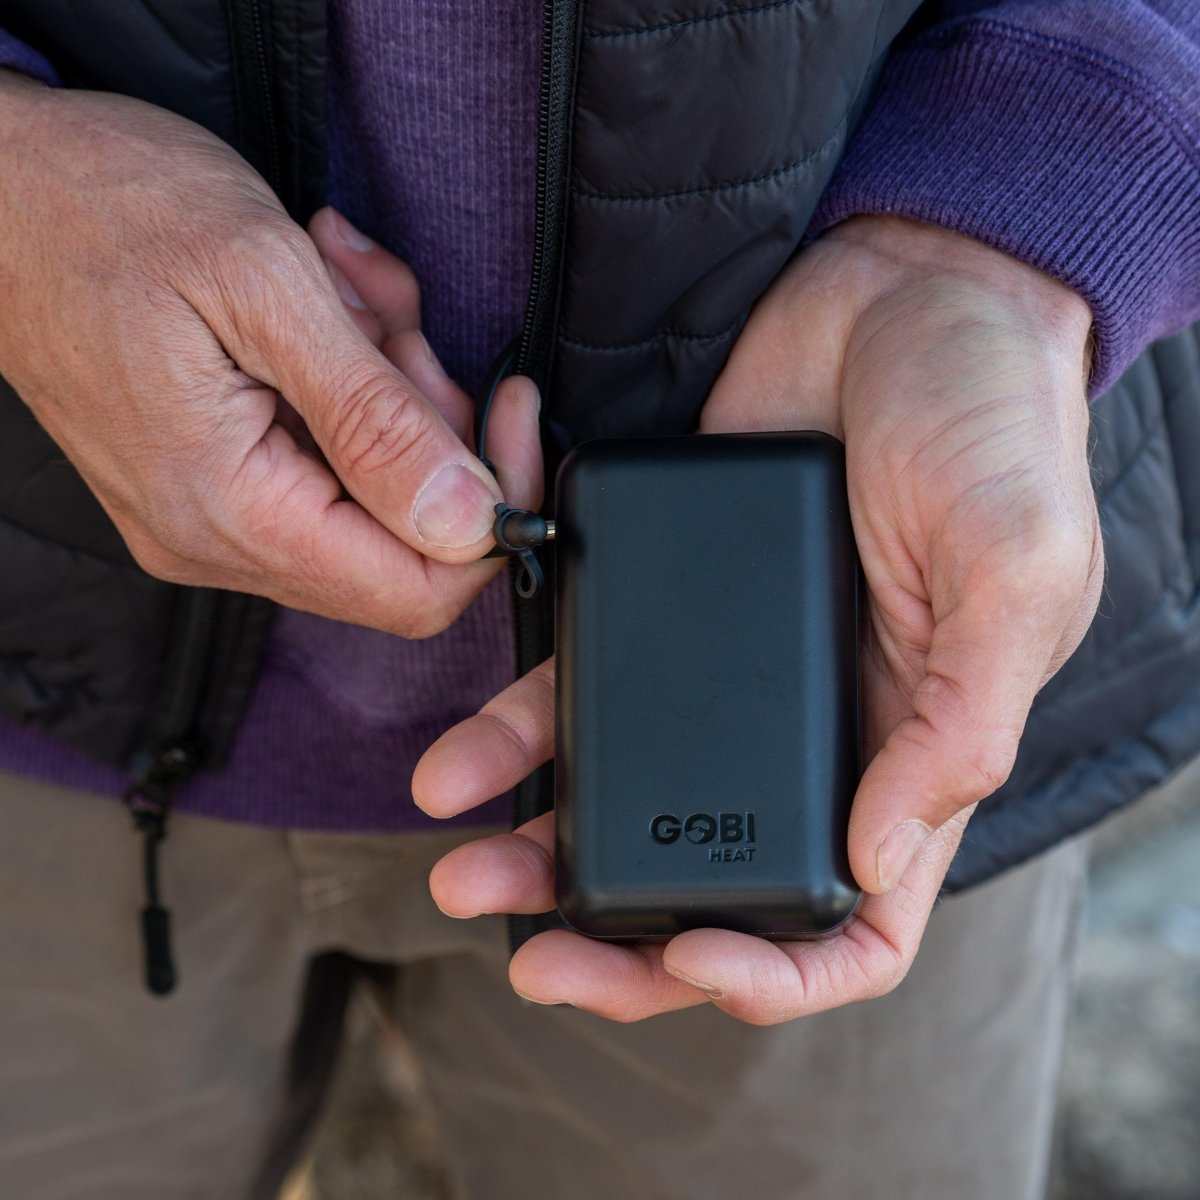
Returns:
(683, 147)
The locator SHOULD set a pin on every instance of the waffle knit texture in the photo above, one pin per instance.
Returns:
(1066, 134)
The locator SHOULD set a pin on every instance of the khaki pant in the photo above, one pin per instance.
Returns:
(943, 1090)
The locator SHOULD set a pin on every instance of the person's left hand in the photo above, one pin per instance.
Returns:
(955, 377)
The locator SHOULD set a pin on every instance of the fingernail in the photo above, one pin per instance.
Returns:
(544, 1003)
(430, 357)
(537, 396)
(711, 991)
(897, 850)
(454, 509)
(349, 235)
(344, 287)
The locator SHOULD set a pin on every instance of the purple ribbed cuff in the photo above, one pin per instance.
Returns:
(1050, 152)
(19, 57)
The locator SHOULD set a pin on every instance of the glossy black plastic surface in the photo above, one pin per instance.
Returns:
(707, 633)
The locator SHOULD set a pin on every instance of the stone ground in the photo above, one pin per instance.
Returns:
(1129, 1106)
(1129, 1103)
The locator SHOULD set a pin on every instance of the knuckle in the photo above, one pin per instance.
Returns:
(987, 764)
(406, 291)
(175, 540)
(423, 623)
(1063, 559)
(252, 268)
(272, 245)
(515, 746)
(888, 980)
(762, 1017)
(628, 1016)
(1037, 550)
(1052, 561)
(988, 767)
(377, 426)
(158, 562)
(877, 976)
(422, 616)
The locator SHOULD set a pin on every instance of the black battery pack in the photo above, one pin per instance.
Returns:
(707, 707)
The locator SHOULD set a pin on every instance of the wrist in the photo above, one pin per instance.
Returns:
(893, 253)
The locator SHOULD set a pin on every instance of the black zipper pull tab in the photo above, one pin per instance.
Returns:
(149, 801)
(156, 919)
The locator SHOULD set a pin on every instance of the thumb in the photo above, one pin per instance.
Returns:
(957, 746)
(284, 324)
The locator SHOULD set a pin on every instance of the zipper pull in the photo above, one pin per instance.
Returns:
(148, 798)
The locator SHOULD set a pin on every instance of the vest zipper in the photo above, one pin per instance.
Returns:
(169, 754)
(255, 102)
(533, 619)
(535, 355)
(266, 93)
(560, 46)
(559, 51)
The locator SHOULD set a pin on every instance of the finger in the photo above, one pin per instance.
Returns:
(516, 445)
(388, 291)
(384, 284)
(622, 983)
(764, 983)
(390, 308)
(759, 389)
(397, 455)
(409, 351)
(276, 313)
(508, 873)
(960, 741)
(381, 294)
(292, 536)
(514, 441)
(356, 307)
(486, 755)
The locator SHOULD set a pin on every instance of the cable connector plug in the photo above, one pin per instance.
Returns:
(518, 532)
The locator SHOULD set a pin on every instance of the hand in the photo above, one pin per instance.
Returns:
(955, 376)
(184, 343)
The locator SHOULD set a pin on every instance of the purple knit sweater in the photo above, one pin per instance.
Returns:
(1065, 133)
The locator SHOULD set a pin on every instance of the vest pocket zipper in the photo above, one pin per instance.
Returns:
(166, 759)
(169, 755)
(148, 798)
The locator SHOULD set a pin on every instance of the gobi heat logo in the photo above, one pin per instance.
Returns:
(734, 830)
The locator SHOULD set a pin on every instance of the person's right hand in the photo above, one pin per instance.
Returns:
(190, 349)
